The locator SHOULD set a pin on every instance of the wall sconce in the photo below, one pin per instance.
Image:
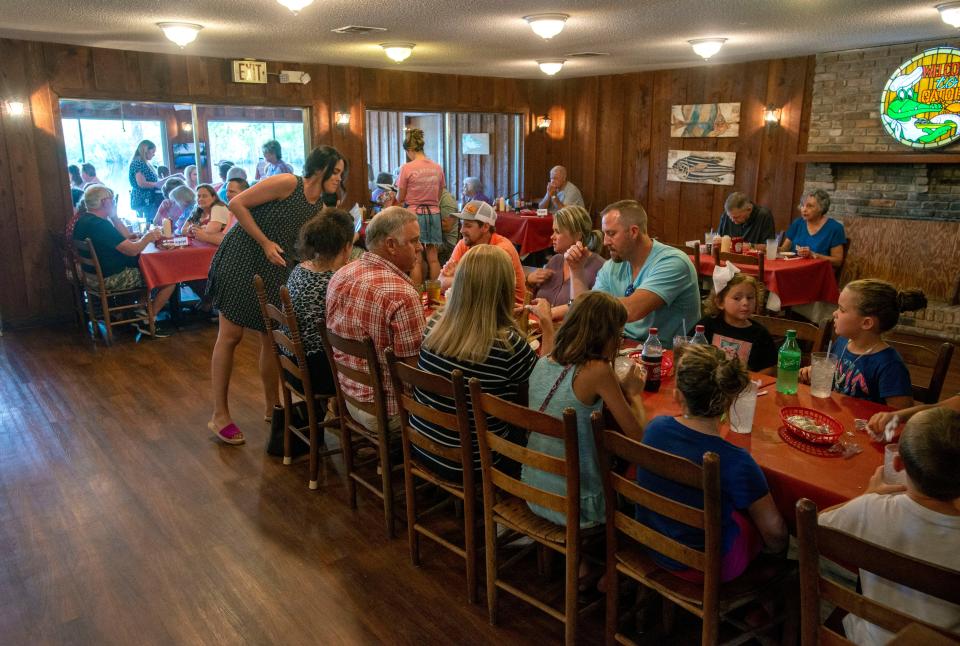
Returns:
(543, 122)
(342, 119)
(15, 108)
(186, 126)
(771, 116)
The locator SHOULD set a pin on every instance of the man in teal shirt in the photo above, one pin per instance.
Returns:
(656, 283)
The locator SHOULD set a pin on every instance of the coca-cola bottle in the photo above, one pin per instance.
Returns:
(652, 358)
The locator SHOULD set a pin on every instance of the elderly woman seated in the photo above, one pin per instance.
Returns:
(813, 234)
(571, 226)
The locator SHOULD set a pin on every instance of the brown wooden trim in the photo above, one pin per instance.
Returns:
(877, 158)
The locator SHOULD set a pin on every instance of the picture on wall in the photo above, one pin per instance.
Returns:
(185, 155)
(705, 120)
(701, 167)
(475, 143)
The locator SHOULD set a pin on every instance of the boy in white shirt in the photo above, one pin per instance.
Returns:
(921, 520)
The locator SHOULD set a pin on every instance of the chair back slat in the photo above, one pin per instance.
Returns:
(89, 263)
(938, 361)
(364, 350)
(521, 489)
(654, 460)
(810, 337)
(816, 541)
(424, 443)
(740, 259)
(523, 455)
(522, 417)
(661, 543)
(660, 504)
(428, 414)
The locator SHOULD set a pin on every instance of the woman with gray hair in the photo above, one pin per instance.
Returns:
(473, 190)
(813, 234)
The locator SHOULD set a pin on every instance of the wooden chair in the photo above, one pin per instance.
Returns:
(938, 362)
(810, 337)
(382, 485)
(101, 302)
(815, 541)
(71, 272)
(627, 540)
(838, 272)
(505, 498)
(295, 381)
(405, 378)
(694, 254)
(523, 316)
(741, 259)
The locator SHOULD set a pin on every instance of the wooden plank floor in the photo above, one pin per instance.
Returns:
(123, 521)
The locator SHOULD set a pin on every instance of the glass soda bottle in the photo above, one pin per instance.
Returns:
(652, 358)
(699, 336)
(788, 364)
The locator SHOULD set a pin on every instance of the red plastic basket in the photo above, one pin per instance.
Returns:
(836, 427)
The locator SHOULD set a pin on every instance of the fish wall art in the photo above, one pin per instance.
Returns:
(705, 120)
(701, 167)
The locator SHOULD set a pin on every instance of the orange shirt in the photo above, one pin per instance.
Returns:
(499, 241)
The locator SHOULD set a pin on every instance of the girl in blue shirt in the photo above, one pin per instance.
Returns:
(868, 368)
(813, 234)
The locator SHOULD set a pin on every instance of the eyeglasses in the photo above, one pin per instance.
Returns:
(630, 290)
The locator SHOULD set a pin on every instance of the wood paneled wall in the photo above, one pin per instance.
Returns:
(611, 132)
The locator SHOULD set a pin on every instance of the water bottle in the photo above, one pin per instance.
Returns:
(699, 337)
(652, 357)
(788, 364)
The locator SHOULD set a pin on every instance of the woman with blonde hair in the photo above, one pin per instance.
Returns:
(145, 195)
(190, 176)
(579, 374)
(477, 333)
(420, 184)
(571, 225)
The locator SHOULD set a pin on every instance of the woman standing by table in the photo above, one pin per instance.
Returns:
(145, 195)
(270, 215)
(421, 181)
(813, 234)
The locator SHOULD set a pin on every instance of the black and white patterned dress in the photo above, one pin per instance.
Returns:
(240, 258)
(308, 293)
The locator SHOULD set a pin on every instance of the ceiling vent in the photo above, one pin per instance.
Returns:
(587, 54)
(357, 29)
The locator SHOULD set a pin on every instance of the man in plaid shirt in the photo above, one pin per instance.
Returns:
(374, 297)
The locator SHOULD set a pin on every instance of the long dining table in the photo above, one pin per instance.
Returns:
(796, 281)
(178, 265)
(526, 230)
(791, 473)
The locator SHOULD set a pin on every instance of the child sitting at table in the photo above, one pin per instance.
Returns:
(867, 367)
(707, 383)
(727, 324)
(924, 523)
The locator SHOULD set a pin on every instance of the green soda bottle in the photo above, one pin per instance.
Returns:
(788, 364)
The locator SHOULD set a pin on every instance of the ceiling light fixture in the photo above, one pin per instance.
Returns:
(706, 47)
(547, 25)
(295, 5)
(398, 52)
(551, 66)
(950, 13)
(15, 108)
(182, 33)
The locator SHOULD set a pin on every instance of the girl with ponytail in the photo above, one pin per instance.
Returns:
(420, 184)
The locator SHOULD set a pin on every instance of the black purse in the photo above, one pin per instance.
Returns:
(298, 416)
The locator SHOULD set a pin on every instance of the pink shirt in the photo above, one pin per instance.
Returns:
(421, 180)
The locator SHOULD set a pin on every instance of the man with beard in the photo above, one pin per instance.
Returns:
(477, 226)
(656, 283)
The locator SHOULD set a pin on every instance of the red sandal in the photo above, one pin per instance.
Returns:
(229, 433)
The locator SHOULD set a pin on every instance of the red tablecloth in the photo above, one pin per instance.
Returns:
(792, 474)
(169, 266)
(798, 281)
(532, 233)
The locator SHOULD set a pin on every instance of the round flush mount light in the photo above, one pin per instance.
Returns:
(706, 47)
(295, 5)
(950, 13)
(398, 52)
(181, 33)
(547, 25)
(551, 66)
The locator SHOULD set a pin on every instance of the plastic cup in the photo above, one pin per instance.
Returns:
(772, 249)
(822, 368)
(433, 290)
(679, 342)
(743, 409)
(621, 366)
(891, 475)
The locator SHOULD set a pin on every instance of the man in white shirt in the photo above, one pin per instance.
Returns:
(921, 520)
(560, 191)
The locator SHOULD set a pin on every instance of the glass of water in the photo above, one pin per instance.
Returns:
(822, 368)
(743, 409)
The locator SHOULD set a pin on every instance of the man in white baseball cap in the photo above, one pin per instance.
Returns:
(477, 226)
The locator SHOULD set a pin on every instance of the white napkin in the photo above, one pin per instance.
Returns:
(773, 302)
(891, 428)
(723, 275)
(357, 217)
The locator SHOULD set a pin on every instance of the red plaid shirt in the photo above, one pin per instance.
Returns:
(372, 297)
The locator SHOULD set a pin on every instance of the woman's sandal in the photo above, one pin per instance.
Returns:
(229, 433)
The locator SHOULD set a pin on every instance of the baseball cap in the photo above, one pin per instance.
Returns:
(478, 210)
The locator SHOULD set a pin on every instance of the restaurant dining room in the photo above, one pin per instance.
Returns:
(480, 322)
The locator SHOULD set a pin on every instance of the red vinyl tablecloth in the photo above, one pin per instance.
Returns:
(791, 473)
(168, 266)
(797, 281)
(530, 232)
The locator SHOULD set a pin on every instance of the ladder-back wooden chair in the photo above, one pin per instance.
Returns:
(937, 362)
(810, 337)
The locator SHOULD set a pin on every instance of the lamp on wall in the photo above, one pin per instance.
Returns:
(706, 47)
(543, 122)
(342, 119)
(771, 116)
(547, 25)
(15, 108)
(950, 13)
(181, 33)
(398, 52)
(186, 126)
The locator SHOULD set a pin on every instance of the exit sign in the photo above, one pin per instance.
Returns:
(249, 71)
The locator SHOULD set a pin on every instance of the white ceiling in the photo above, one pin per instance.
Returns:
(484, 37)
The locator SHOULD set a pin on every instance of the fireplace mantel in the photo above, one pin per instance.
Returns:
(877, 158)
